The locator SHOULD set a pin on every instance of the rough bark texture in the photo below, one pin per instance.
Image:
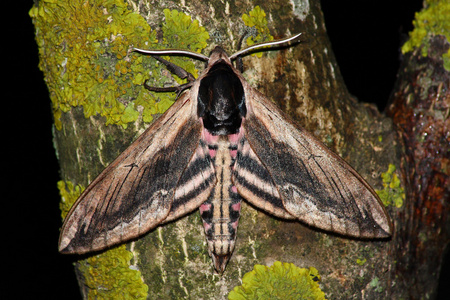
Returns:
(420, 110)
(305, 82)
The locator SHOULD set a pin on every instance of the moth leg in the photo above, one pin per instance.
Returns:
(248, 32)
(179, 89)
(174, 69)
(239, 64)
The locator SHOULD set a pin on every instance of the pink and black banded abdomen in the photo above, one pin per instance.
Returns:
(220, 213)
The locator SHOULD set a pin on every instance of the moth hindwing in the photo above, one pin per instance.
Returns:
(222, 141)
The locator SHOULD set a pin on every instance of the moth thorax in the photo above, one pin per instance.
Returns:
(221, 100)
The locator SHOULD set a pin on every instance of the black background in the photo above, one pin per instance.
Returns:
(366, 37)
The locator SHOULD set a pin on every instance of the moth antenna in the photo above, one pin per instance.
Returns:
(174, 52)
(265, 44)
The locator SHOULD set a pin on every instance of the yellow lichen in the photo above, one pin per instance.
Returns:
(280, 281)
(84, 53)
(69, 194)
(257, 19)
(181, 32)
(361, 261)
(432, 20)
(108, 276)
(392, 194)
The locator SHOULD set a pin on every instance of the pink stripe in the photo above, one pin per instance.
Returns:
(206, 226)
(209, 138)
(234, 138)
(235, 225)
(204, 207)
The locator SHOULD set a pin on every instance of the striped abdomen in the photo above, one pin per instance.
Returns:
(220, 213)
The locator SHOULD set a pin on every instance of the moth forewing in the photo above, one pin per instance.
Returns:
(316, 185)
(135, 192)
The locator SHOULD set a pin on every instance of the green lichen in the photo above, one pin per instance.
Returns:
(109, 276)
(85, 54)
(361, 261)
(375, 284)
(280, 281)
(257, 19)
(181, 32)
(69, 194)
(392, 194)
(432, 20)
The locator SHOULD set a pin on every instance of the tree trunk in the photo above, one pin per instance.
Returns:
(420, 109)
(100, 107)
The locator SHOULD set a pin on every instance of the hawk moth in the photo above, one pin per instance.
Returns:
(221, 141)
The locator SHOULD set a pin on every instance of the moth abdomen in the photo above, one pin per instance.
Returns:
(221, 212)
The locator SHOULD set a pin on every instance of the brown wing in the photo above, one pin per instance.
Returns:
(136, 192)
(315, 185)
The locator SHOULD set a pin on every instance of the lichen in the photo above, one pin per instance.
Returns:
(108, 276)
(85, 54)
(280, 281)
(393, 193)
(375, 284)
(432, 20)
(181, 32)
(361, 261)
(69, 194)
(256, 19)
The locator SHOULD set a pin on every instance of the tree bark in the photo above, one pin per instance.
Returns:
(420, 109)
(172, 260)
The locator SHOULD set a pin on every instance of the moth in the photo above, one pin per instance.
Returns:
(221, 141)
